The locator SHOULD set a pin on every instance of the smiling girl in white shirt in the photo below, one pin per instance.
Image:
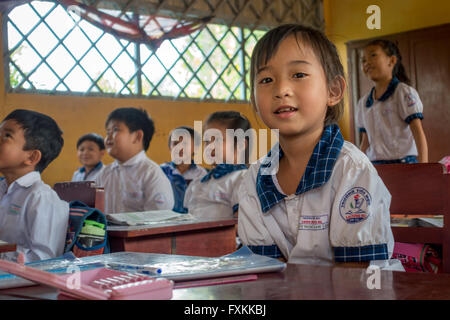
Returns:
(314, 198)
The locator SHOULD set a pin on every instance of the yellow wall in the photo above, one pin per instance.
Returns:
(345, 20)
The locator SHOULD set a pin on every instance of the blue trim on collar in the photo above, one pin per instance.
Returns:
(222, 170)
(174, 166)
(389, 91)
(97, 166)
(318, 170)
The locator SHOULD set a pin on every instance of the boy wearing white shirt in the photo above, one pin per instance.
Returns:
(31, 214)
(133, 182)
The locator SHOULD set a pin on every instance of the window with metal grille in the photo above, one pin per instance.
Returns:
(51, 50)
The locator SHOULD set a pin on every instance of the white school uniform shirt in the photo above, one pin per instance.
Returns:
(33, 217)
(138, 184)
(80, 174)
(215, 197)
(386, 121)
(340, 212)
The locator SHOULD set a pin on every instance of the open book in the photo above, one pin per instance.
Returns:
(147, 217)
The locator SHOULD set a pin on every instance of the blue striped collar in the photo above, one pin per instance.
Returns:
(221, 170)
(317, 173)
(171, 168)
(174, 166)
(389, 91)
(97, 166)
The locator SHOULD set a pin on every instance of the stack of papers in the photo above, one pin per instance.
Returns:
(435, 221)
(147, 217)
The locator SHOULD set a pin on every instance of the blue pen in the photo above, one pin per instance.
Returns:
(139, 269)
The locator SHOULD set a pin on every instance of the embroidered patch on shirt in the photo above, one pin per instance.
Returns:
(159, 198)
(135, 195)
(410, 100)
(354, 206)
(313, 222)
(14, 208)
(218, 195)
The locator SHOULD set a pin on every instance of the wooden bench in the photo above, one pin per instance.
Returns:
(420, 189)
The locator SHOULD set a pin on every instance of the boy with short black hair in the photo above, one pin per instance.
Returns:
(133, 182)
(90, 151)
(31, 214)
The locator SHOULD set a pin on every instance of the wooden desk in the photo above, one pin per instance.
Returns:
(307, 282)
(206, 238)
(7, 247)
(302, 282)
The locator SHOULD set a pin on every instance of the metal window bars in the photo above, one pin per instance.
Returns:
(49, 50)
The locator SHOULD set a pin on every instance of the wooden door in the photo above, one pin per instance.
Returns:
(426, 57)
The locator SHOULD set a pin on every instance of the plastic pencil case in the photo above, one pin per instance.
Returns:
(120, 285)
(96, 284)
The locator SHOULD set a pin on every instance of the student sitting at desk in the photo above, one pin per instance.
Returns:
(90, 151)
(315, 198)
(133, 182)
(214, 195)
(182, 170)
(31, 214)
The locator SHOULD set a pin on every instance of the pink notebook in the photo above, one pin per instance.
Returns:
(97, 284)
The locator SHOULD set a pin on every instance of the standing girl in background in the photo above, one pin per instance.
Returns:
(315, 198)
(389, 116)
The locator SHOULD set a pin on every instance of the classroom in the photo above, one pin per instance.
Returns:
(192, 64)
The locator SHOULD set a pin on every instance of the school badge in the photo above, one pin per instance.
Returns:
(14, 208)
(354, 205)
(410, 100)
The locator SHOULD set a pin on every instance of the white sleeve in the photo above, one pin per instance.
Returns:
(251, 228)
(360, 220)
(158, 192)
(234, 199)
(359, 121)
(73, 176)
(46, 225)
(189, 194)
(409, 104)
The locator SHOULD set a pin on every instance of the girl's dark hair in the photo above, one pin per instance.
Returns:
(391, 49)
(94, 137)
(135, 119)
(191, 131)
(324, 49)
(232, 120)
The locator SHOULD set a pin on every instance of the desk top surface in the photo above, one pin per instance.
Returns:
(302, 282)
(6, 247)
(167, 227)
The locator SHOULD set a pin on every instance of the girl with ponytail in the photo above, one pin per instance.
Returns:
(390, 115)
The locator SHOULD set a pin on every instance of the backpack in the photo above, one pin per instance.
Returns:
(87, 231)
